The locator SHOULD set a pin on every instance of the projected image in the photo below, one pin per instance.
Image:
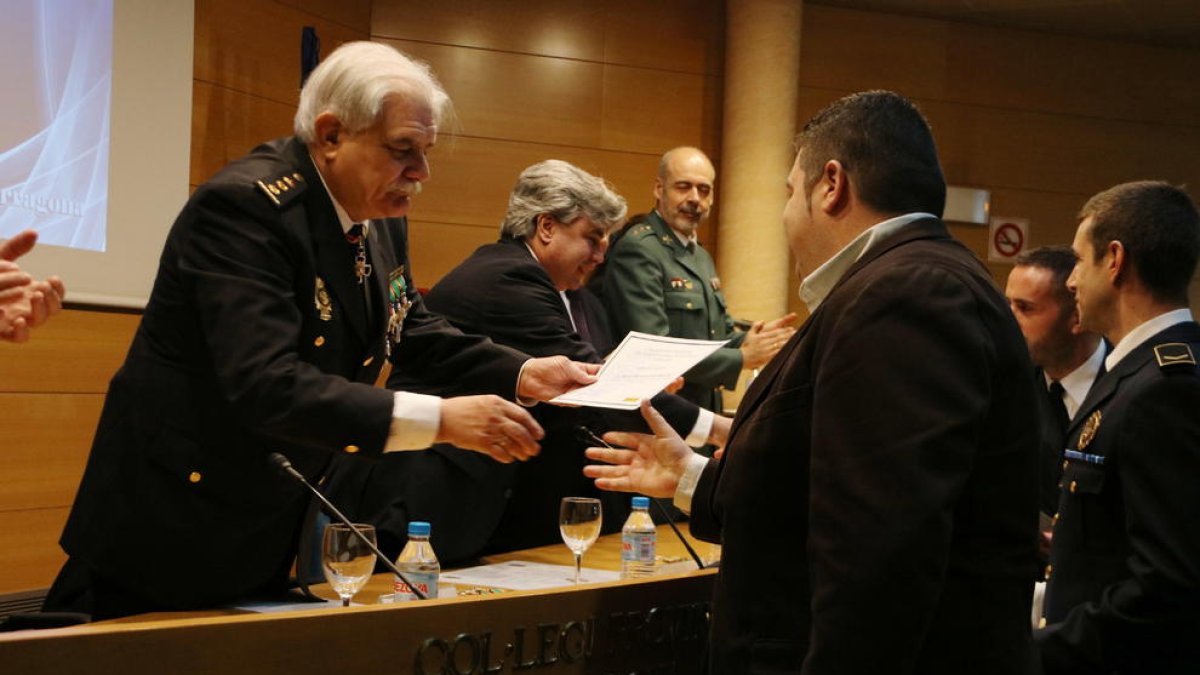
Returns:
(56, 66)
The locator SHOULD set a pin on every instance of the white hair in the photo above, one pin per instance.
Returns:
(565, 192)
(356, 79)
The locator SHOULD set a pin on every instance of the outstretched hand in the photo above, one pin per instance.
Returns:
(502, 430)
(543, 379)
(651, 467)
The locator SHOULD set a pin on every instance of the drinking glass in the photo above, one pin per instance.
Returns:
(579, 522)
(347, 561)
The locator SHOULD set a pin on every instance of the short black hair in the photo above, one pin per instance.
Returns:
(1059, 260)
(885, 144)
(1159, 227)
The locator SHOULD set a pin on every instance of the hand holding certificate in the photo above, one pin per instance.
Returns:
(640, 367)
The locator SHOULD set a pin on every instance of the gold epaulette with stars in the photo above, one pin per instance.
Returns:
(283, 189)
(1171, 354)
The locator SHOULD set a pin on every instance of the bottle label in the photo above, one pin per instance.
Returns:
(638, 546)
(426, 582)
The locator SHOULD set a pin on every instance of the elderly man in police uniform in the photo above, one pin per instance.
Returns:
(659, 280)
(283, 287)
(1123, 592)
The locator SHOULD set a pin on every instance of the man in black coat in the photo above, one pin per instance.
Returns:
(876, 503)
(523, 292)
(282, 288)
(1123, 594)
(1069, 359)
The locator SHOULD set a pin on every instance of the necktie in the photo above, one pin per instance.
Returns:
(581, 322)
(1059, 406)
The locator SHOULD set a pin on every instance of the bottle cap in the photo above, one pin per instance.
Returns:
(641, 502)
(418, 528)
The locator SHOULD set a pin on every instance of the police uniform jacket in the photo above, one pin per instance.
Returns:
(876, 503)
(255, 340)
(1123, 594)
(655, 284)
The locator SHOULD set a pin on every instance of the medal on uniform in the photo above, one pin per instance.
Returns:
(398, 306)
(321, 299)
(1089, 430)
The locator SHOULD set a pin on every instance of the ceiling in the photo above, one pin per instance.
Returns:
(1174, 23)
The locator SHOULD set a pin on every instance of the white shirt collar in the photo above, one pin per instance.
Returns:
(1078, 382)
(816, 286)
(1144, 332)
(343, 217)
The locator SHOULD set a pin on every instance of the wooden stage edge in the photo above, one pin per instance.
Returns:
(654, 625)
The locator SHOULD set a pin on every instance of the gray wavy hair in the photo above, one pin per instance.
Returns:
(565, 192)
(356, 79)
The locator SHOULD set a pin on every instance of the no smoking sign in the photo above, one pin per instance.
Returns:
(1007, 238)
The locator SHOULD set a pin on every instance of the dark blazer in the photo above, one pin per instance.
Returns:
(501, 291)
(876, 503)
(255, 340)
(1124, 592)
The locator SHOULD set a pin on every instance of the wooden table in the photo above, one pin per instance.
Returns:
(655, 625)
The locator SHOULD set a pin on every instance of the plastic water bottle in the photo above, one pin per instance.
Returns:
(638, 540)
(418, 563)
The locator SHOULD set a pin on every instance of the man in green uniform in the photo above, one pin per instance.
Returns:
(659, 280)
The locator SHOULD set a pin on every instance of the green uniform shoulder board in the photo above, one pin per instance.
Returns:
(1170, 354)
(641, 230)
(281, 190)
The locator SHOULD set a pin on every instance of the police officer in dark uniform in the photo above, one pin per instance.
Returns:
(283, 287)
(1123, 592)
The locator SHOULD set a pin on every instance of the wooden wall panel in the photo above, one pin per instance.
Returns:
(254, 46)
(227, 124)
(546, 27)
(29, 545)
(651, 111)
(1072, 76)
(353, 14)
(472, 177)
(45, 447)
(1042, 121)
(672, 35)
(517, 96)
(683, 36)
(442, 246)
(77, 352)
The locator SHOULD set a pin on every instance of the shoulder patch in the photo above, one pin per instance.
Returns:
(1171, 354)
(641, 230)
(282, 189)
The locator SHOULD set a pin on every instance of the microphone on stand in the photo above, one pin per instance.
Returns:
(285, 466)
(591, 436)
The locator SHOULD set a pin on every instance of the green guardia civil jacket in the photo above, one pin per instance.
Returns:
(654, 284)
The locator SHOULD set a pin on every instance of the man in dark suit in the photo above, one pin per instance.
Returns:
(282, 288)
(875, 502)
(1123, 595)
(524, 292)
(1068, 358)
